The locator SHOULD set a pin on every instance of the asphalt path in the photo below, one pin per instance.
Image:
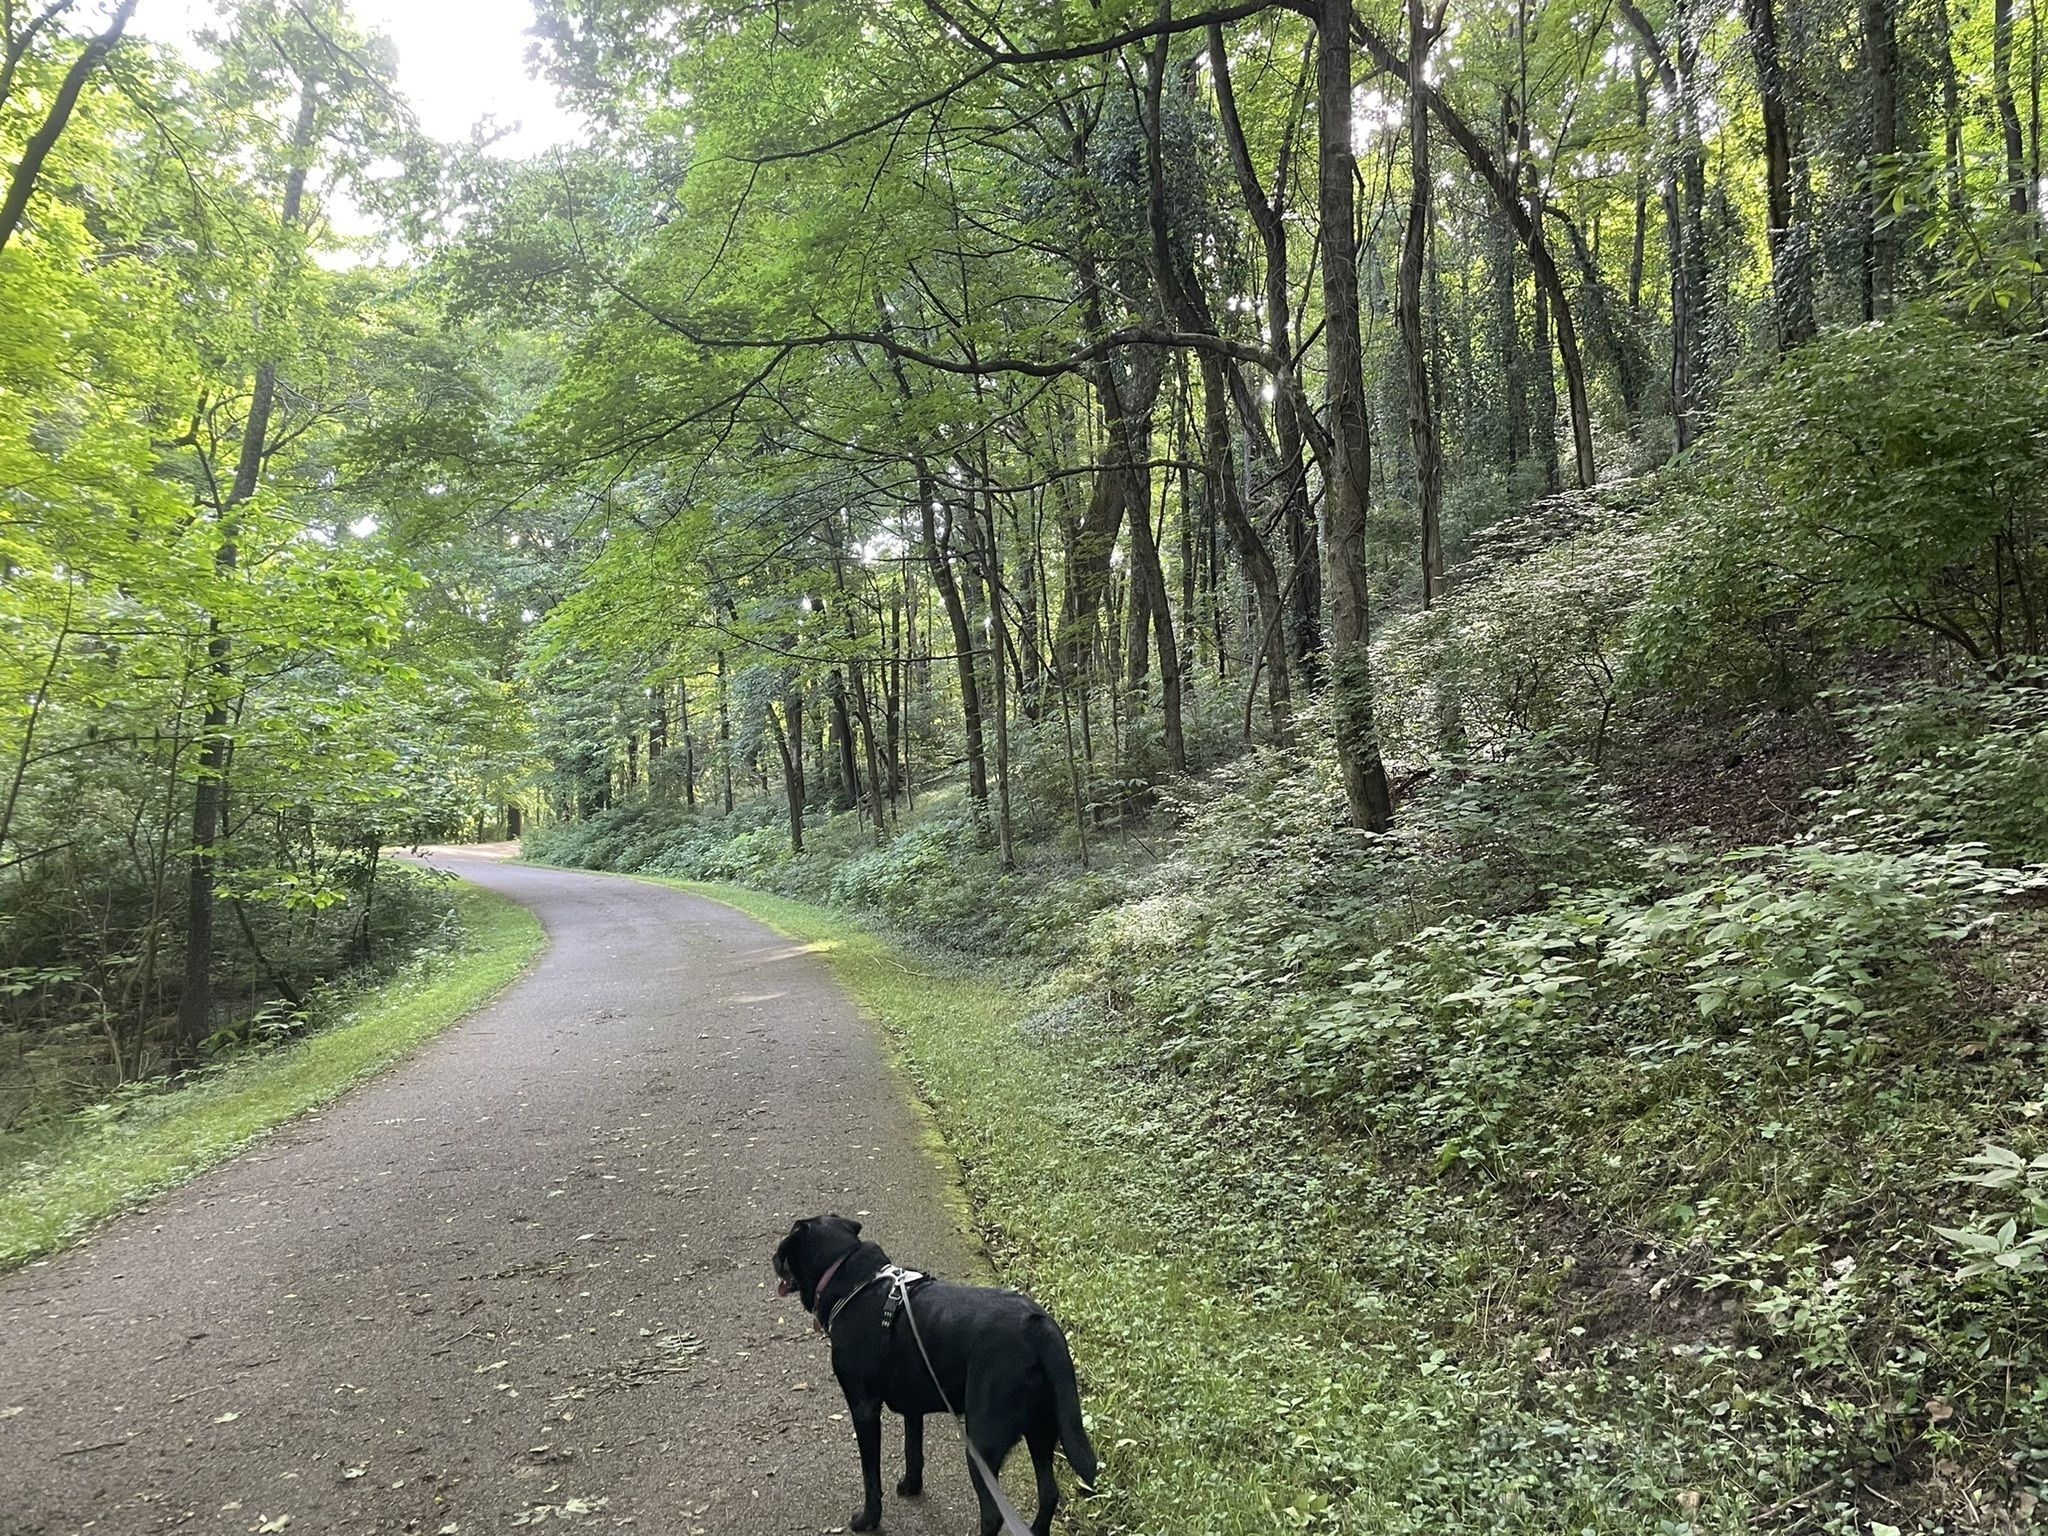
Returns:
(521, 1280)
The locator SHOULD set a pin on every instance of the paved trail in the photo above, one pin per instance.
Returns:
(527, 1268)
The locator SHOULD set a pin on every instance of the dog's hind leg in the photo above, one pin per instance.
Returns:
(994, 1425)
(991, 1517)
(913, 1456)
(867, 1431)
(1041, 1437)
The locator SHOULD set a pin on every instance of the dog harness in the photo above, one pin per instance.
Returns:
(900, 1281)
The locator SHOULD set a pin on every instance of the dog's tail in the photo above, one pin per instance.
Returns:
(1066, 1398)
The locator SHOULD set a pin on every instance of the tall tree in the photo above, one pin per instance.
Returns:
(1348, 471)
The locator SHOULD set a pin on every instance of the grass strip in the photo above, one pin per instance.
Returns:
(94, 1169)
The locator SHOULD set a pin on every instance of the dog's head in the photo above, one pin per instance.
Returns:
(814, 1245)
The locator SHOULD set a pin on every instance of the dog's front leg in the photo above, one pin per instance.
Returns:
(867, 1430)
(913, 1456)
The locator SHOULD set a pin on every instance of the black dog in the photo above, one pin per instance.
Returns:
(995, 1356)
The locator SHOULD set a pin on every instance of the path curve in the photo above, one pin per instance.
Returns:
(527, 1267)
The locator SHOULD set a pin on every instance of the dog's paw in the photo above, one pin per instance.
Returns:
(910, 1487)
(864, 1520)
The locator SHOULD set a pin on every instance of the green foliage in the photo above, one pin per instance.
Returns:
(649, 836)
(1880, 484)
(1521, 1171)
(1794, 963)
(2018, 1244)
(1535, 638)
(1757, 1063)
(1280, 1330)
(937, 881)
(1962, 761)
(163, 605)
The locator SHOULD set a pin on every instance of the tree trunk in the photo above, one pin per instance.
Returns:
(725, 732)
(1509, 195)
(963, 637)
(892, 695)
(1350, 468)
(1138, 616)
(1252, 550)
(195, 1002)
(864, 716)
(793, 706)
(1599, 312)
(1125, 405)
(999, 635)
(1422, 428)
(1181, 302)
(839, 730)
(792, 772)
(1642, 210)
(1684, 198)
(1792, 293)
(1029, 684)
(1881, 67)
(1507, 322)
(689, 743)
(1290, 466)
(1148, 577)
(2019, 190)
(1543, 374)
(1951, 108)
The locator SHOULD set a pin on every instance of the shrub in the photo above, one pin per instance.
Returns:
(1881, 483)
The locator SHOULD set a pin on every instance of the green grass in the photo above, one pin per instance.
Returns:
(100, 1164)
(1259, 1316)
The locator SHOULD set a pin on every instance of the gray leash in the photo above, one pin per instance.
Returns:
(1012, 1521)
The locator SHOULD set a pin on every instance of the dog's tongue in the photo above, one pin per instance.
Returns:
(782, 1287)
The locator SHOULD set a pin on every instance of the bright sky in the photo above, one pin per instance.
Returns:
(458, 61)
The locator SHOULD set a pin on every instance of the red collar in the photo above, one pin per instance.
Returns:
(818, 1295)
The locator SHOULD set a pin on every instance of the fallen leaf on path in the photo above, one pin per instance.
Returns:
(568, 1509)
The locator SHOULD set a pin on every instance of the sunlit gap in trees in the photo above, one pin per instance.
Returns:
(881, 548)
